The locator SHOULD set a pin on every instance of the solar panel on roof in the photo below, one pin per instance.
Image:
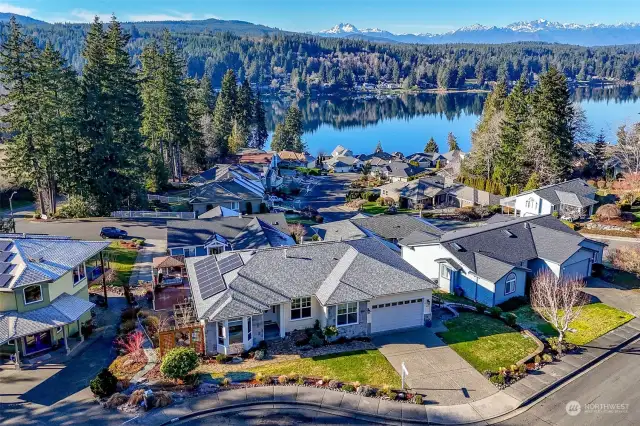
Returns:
(4, 245)
(4, 279)
(4, 266)
(230, 263)
(4, 256)
(210, 280)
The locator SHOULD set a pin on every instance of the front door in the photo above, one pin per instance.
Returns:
(37, 342)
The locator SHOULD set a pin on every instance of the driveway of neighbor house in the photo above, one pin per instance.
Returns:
(435, 369)
(614, 296)
(143, 268)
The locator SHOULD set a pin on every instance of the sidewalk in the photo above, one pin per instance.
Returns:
(521, 393)
(143, 268)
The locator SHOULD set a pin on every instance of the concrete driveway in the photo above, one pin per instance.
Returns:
(435, 369)
(617, 297)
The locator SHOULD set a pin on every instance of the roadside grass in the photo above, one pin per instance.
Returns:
(368, 367)
(595, 320)
(120, 259)
(486, 343)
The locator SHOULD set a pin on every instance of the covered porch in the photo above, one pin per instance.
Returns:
(170, 282)
(40, 330)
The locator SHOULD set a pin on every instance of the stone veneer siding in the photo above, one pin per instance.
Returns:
(349, 331)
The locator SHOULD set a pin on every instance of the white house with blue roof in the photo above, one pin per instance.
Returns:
(44, 297)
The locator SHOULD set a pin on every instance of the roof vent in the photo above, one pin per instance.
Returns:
(274, 223)
(457, 246)
(285, 254)
(508, 233)
(527, 225)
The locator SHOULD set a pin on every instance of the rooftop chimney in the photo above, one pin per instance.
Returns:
(527, 225)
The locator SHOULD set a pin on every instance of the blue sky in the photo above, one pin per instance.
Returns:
(312, 15)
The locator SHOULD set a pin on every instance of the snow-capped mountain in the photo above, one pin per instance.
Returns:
(538, 30)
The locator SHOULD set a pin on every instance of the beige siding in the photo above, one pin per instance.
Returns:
(65, 285)
(7, 302)
(316, 313)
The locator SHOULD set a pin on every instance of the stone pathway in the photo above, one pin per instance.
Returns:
(143, 268)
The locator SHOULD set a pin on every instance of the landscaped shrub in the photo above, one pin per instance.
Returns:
(325, 379)
(116, 400)
(333, 384)
(498, 379)
(608, 212)
(316, 341)
(510, 318)
(294, 377)
(537, 359)
(300, 381)
(547, 358)
(161, 399)
(129, 314)
(480, 308)
(348, 388)
(259, 377)
(259, 355)
(136, 397)
(417, 399)
(393, 396)
(151, 324)
(513, 303)
(365, 390)
(127, 327)
(495, 312)
(104, 384)
(522, 369)
(283, 379)
(226, 382)
(179, 362)
(330, 331)
(221, 358)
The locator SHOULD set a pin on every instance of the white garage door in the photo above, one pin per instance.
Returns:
(577, 270)
(396, 315)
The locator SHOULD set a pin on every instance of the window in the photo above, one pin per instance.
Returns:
(32, 294)
(249, 320)
(221, 333)
(79, 273)
(445, 272)
(347, 314)
(510, 284)
(301, 308)
(235, 331)
(189, 252)
(235, 205)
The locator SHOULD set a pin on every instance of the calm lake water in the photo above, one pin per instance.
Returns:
(405, 123)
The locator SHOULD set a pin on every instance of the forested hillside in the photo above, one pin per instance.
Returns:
(266, 56)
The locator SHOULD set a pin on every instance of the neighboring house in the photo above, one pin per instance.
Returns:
(341, 164)
(463, 196)
(267, 165)
(491, 264)
(44, 298)
(573, 199)
(400, 171)
(341, 151)
(227, 194)
(416, 194)
(219, 211)
(290, 159)
(203, 237)
(360, 287)
(427, 160)
(388, 228)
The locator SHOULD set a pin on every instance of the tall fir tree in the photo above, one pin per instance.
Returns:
(452, 142)
(510, 159)
(294, 128)
(259, 132)
(378, 148)
(431, 146)
(278, 139)
(598, 155)
(224, 113)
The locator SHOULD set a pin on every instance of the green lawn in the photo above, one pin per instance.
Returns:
(373, 208)
(121, 260)
(294, 219)
(367, 367)
(595, 320)
(486, 343)
(452, 298)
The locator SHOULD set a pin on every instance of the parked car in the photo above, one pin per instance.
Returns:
(112, 232)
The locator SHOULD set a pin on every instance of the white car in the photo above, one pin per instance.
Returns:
(275, 199)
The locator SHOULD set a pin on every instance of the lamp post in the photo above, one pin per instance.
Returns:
(13, 221)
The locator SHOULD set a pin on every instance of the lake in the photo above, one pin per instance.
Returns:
(406, 122)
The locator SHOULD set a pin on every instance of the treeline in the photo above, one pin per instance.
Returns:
(526, 138)
(102, 136)
(308, 62)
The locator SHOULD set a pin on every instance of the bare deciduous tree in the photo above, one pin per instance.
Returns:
(628, 147)
(558, 300)
(298, 232)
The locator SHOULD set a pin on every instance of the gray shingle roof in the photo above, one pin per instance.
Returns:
(551, 192)
(334, 272)
(65, 309)
(396, 226)
(417, 238)
(341, 230)
(402, 170)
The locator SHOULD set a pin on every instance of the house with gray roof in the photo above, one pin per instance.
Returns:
(361, 287)
(459, 195)
(491, 263)
(201, 237)
(572, 199)
(428, 191)
(44, 298)
(389, 229)
(400, 171)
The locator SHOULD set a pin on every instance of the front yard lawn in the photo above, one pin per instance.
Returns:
(365, 366)
(120, 259)
(452, 298)
(295, 219)
(486, 343)
(595, 320)
(372, 208)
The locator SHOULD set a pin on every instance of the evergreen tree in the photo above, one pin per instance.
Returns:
(278, 140)
(294, 129)
(378, 148)
(452, 142)
(509, 162)
(224, 113)
(431, 146)
(244, 112)
(598, 155)
(259, 133)
(552, 136)
(533, 182)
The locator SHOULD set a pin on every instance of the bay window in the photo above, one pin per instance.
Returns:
(301, 308)
(347, 314)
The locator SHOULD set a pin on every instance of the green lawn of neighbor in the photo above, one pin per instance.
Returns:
(366, 366)
(372, 208)
(121, 259)
(486, 343)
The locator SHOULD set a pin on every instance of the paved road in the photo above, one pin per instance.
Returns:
(89, 229)
(613, 382)
(327, 195)
(279, 417)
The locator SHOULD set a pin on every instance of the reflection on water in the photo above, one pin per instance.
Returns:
(405, 122)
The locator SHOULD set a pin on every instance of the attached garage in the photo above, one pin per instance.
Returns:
(397, 314)
(580, 270)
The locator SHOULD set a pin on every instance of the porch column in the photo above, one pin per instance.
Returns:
(17, 364)
(65, 337)
(80, 332)
(282, 325)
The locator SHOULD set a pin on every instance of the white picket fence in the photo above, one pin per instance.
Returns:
(165, 199)
(124, 214)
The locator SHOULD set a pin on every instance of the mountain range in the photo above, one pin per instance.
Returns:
(540, 30)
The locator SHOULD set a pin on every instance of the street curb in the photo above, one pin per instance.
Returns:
(524, 406)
